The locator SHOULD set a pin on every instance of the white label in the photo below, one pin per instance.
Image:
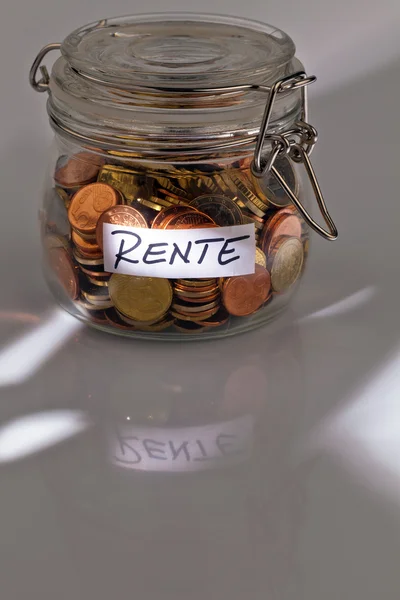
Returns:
(179, 253)
(183, 449)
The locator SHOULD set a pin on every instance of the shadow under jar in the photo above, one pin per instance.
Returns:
(175, 204)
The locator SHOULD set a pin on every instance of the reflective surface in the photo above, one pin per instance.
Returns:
(261, 466)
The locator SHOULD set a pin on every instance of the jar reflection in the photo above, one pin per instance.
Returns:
(228, 528)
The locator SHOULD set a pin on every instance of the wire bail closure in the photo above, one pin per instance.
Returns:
(41, 85)
(297, 144)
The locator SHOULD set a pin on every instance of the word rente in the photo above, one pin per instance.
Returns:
(179, 253)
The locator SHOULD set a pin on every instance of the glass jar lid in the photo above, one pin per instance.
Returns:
(175, 81)
(178, 50)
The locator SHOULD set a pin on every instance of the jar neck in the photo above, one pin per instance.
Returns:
(165, 123)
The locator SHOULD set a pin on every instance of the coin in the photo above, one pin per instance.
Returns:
(188, 326)
(167, 213)
(91, 263)
(189, 220)
(203, 300)
(151, 204)
(167, 184)
(287, 262)
(65, 197)
(261, 259)
(257, 206)
(135, 322)
(89, 203)
(219, 318)
(222, 210)
(195, 293)
(96, 274)
(140, 298)
(82, 303)
(159, 326)
(195, 282)
(87, 249)
(80, 169)
(277, 225)
(269, 188)
(200, 316)
(93, 293)
(244, 294)
(98, 281)
(130, 183)
(119, 215)
(63, 267)
(188, 307)
(115, 320)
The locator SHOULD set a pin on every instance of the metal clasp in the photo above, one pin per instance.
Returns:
(41, 85)
(297, 144)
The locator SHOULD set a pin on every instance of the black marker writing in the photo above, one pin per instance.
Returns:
(150, 252)
(225, 251)
(121, 253)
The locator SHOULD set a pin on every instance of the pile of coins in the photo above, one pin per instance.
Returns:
(89, 192)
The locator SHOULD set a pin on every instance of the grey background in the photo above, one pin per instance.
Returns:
(314, 513)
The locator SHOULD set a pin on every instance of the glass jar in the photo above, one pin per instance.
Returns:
(175, 204)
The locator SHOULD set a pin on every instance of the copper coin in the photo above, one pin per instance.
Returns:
(196, 292)
(119, 215)
(219, 318)
(244, 294)
(277, 225)
(87, 249)
(63, 267)
(167, 213)
(95, 274)
(89, 203)
(80, 169)
(202, 301)
(190, 220)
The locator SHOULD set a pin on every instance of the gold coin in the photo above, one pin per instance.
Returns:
(257, 206)
(196, 282)
(287, 263)
(140, 298)
(126, 181)
(151, 204)
(167, 184)
(261, 259)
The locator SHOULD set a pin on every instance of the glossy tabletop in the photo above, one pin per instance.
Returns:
(261, 466)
